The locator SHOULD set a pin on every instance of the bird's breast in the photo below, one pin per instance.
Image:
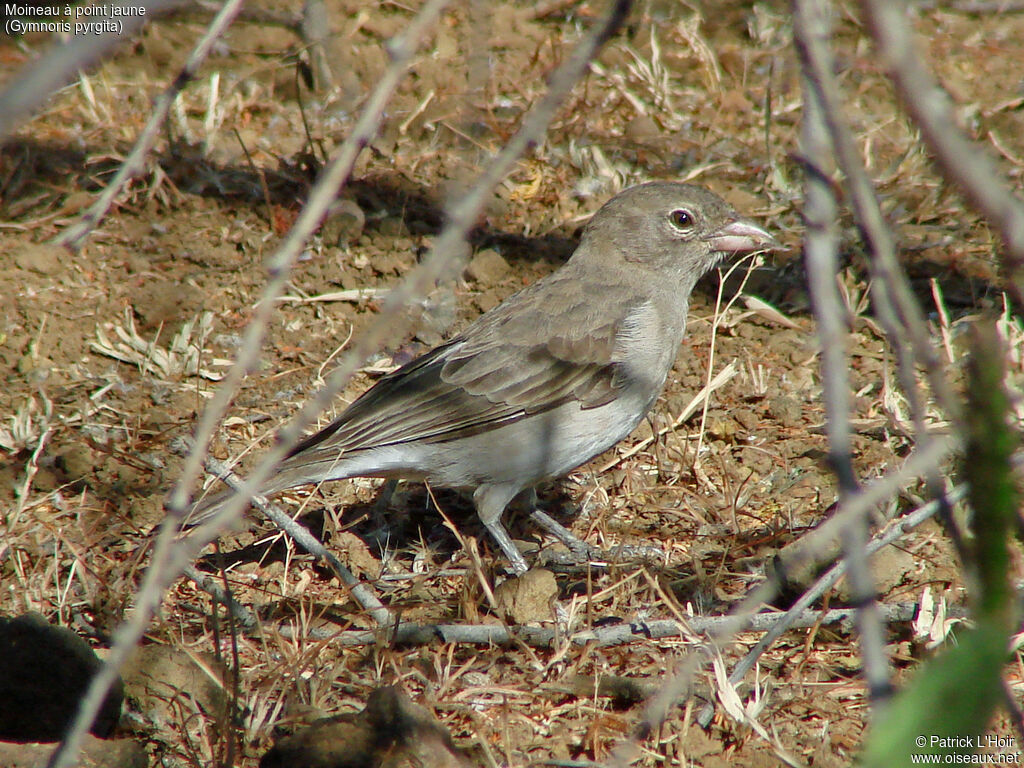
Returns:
(646, 348)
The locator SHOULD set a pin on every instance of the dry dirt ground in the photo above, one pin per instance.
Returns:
(709, 94)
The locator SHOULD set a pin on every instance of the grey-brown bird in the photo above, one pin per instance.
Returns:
(558, 373)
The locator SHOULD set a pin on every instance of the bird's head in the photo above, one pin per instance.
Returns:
(678, 230)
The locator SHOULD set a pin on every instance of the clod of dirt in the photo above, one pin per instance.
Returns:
(528, 598)
(164, 303)
(435, 316)
(41, 258)
(344, 223)
(643, 128)
(95, 753)
(392, 731)
(44, 670)
(624, 691)
(355, 554)
(159, 680)
(891, 567)
(487, 267)
(786, 410)
(77, 462)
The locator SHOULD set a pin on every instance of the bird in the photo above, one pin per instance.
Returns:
(556, 374)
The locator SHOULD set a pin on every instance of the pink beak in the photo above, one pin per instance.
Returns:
(741, 237)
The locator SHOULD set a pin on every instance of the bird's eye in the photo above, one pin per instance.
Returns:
(681, 219)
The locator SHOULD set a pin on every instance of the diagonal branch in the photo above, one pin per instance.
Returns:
(961, 161)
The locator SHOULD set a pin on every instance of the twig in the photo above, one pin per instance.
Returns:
(261, 16)
(248, 620)
(897, 309)
(961, 161)
(301, 535)
(720, 312)
(134, 164)
(307, 541)
(821, 246)
(352, 294)
(616, 634)
(62, 62)
(894, 531)
(166, 559)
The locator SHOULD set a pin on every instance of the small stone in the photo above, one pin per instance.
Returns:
(747, 418)
(785, 410)
(391, 731)
(643, 128)
(527, 599)
(487, 267)
(41, 258)
(393, 226)
(344, 223)
(77, 462)
(156, 677)
(75, 202)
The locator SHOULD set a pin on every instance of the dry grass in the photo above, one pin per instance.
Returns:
(104, 363)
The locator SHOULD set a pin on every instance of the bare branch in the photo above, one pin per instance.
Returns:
(615, 634)
(821, 248)
(961, 161)
(134, 164)
(40, 79)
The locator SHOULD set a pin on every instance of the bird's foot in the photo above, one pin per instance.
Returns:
(580, 551)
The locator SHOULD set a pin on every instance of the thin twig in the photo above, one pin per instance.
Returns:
(721, 379)
(821, 247)
(961, 161)
(301, 535)
(897, 309)
(245, 618)
(41, 78)
(716, 321)
(134, 164)
(893, 532)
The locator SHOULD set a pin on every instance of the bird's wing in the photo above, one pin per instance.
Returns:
(519, 359)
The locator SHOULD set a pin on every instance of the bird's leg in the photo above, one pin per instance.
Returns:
(380, 506)
(515, 557)
(490, 502)
(527, 501)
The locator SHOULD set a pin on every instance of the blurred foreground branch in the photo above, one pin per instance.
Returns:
(961, 161)
(60, 64)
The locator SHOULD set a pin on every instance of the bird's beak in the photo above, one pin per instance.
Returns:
(741, 237)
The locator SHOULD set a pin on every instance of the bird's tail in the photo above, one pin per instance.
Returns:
(208, 506)
(294, 471)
